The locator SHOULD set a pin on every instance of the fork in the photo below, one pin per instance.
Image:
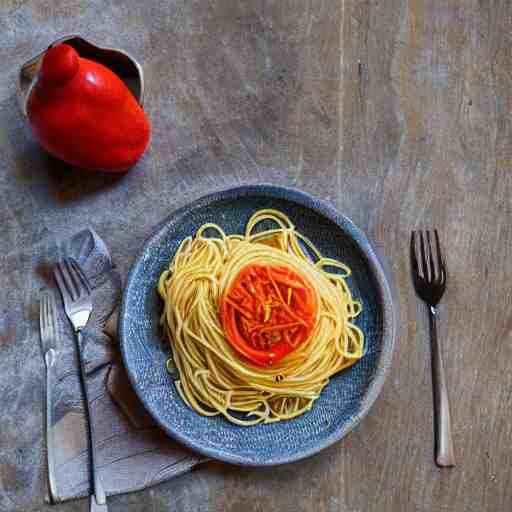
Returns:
(76, 295)
(48, 332)
(429, 277)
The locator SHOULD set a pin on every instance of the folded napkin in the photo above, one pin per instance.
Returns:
(133, 453)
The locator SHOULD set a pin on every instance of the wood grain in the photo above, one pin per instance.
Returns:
(399, 113)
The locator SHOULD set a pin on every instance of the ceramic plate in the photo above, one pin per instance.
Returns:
(343, 402)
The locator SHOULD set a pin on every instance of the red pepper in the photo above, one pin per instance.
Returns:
(266, 328)
(82, 113)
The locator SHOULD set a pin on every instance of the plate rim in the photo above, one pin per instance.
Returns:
(389, 313)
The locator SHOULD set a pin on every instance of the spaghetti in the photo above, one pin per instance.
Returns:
(258, 322)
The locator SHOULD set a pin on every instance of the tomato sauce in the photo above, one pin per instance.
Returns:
(267, 312)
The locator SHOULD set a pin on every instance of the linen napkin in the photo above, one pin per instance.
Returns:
(133, 453)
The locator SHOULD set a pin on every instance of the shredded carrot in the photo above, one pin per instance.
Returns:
(288, 309)
(241, 310)
(276, 327)
(257, 318)
(287, 281)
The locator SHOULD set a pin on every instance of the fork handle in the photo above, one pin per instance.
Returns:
(49, 359)
(444, 453)
(99, 497)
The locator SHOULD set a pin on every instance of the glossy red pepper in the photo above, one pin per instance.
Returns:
(82, 113)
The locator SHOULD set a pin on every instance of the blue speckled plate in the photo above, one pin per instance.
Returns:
(343, 402)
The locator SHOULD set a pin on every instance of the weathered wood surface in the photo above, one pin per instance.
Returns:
(398, 112)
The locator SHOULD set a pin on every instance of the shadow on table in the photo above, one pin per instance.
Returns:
(68, 183)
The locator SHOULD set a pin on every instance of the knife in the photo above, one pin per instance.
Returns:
(48, 330)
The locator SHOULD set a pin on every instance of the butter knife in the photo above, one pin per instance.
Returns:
(48, 331)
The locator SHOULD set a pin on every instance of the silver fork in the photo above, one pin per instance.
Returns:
(76, 294)
(48, 332)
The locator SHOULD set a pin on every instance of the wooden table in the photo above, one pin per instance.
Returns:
(398, 112)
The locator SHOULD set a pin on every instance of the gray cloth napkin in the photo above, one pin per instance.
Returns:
(133, 453)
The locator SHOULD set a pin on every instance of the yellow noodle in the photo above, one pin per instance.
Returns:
(213, 379)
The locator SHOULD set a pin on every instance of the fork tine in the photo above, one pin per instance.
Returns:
(440, 261)
(80, 273)
(414, 259)
(75, 294)
(71, 274)
(57, 274)
(62, 283)
(431, 258)
(47, 314)
(52, 313)
(42, 312)
(430, 278)
(424, 269)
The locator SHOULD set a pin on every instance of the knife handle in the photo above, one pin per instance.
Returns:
(49, 359)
